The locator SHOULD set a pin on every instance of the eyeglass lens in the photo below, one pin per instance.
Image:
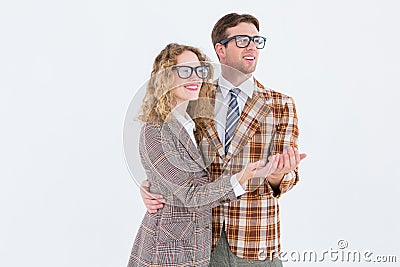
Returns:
(244, 41)
(185, 72)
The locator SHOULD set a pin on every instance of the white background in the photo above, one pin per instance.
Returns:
(69, 69)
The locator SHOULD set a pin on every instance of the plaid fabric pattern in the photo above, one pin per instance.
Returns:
(180, 233)
(267, 125)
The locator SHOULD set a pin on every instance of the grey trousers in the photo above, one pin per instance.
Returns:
(222, 256)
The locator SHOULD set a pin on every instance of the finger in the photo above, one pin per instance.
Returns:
(286, 160)
(270, 167)
(297, 155)
(274, 164)
(148, 195)
(158, 197)
(152, 210)
(251, 166)
(154, 207)
(259, 171)
(281, 162)
(153, 202)
(292, 159)
(262, 163)
(303, 156)
(257, 164)
(145, 184)
(145, 191)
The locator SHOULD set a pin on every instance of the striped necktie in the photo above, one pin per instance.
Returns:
(232, 118)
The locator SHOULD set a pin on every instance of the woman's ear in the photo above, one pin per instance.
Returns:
(220, 50)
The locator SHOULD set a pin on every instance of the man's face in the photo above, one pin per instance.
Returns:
(242, 59)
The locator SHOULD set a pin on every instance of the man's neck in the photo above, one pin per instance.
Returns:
(235, 77)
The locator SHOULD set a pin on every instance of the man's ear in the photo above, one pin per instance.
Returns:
(220, 50)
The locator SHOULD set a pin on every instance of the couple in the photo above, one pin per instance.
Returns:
(220, 155)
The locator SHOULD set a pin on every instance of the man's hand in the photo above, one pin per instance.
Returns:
(258, 169)
(150, 200)
(288, 161)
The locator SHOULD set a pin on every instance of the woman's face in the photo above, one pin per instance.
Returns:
(187, 87)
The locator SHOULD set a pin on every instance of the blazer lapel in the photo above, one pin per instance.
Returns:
(183, 137)
(212, 133)
(214, 140)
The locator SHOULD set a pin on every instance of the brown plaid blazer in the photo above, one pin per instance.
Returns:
(180, 233)
(267, 125)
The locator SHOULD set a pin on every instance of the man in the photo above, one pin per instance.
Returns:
(251, 123)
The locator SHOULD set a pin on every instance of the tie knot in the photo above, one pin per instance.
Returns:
(235, 91)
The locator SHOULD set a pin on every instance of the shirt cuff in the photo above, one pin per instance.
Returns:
(237, 188)
(289, 176)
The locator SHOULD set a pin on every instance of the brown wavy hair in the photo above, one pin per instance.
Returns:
(228, 21)
(159, 100)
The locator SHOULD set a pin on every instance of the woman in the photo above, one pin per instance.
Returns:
(180, 233)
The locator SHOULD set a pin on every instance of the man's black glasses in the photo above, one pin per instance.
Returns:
(185, 72)
(243, 41)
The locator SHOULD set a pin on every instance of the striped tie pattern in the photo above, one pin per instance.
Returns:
(232, 118)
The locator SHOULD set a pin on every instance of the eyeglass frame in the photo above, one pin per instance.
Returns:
(191, 71)
(251, 38)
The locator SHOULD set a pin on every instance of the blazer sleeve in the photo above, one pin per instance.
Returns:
(287, 133)
(173, 178)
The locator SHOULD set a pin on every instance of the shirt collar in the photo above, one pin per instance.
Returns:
(247, 86)
(184, 119)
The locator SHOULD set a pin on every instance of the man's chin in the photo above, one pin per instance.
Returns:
(248, 71)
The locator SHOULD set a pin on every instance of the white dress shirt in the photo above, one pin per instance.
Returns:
(222, 102)
(187, 123)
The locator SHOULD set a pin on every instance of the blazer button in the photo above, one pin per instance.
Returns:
(262, 255)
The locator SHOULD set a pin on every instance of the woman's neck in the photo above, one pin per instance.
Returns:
(181, 108)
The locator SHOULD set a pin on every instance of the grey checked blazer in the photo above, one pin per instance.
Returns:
(180, 233)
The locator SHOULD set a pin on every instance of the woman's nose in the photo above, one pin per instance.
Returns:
(194, 76)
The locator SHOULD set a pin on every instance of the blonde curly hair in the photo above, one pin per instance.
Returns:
(159, 100)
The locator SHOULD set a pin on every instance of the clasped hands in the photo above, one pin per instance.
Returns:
(274, 170)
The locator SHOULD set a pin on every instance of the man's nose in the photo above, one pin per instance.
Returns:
(252, 45)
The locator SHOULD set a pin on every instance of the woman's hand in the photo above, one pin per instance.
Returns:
(258, 169)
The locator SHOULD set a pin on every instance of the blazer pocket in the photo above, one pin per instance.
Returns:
(175, 231)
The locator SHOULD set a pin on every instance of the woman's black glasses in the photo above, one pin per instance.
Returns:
(185, 72)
